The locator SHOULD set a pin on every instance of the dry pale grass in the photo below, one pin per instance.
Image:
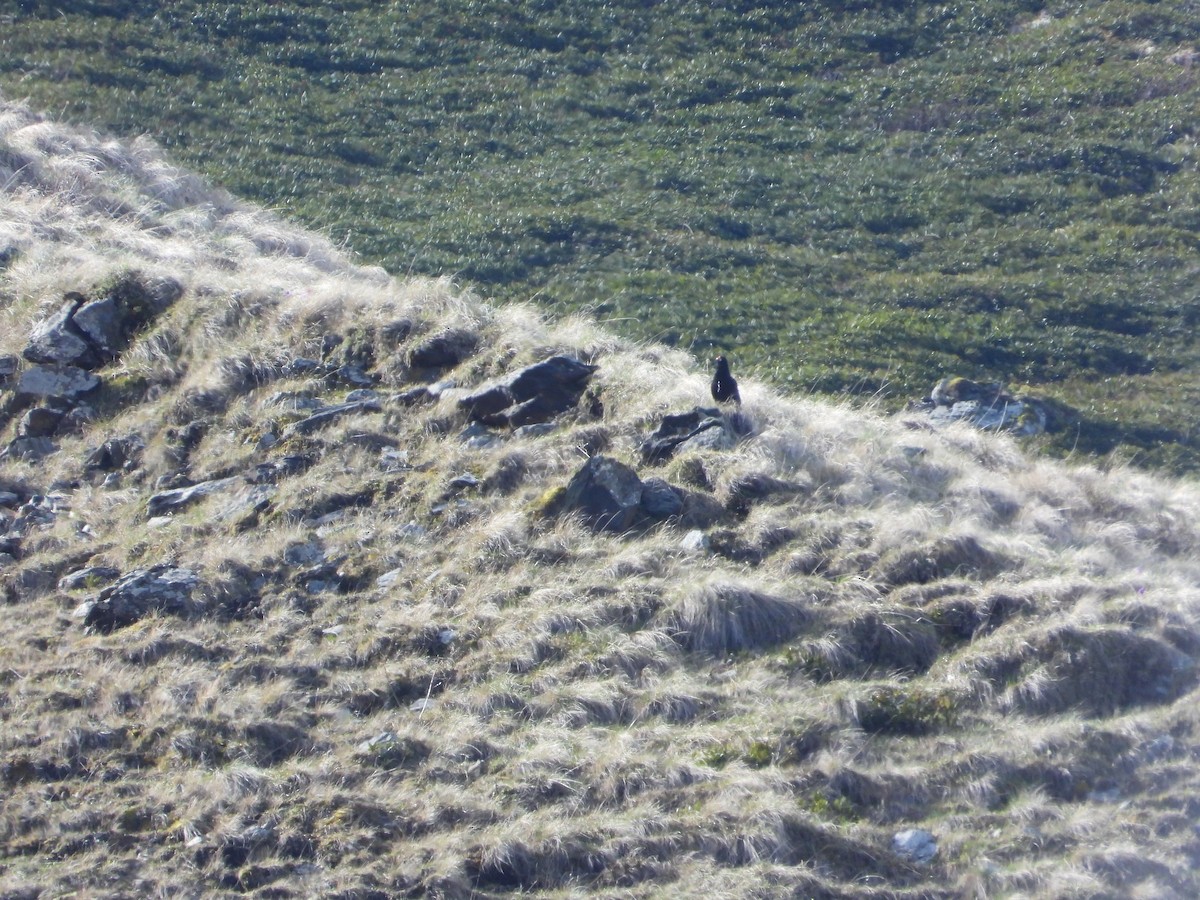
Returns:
(400, 676)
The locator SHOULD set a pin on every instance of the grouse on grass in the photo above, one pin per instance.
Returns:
(724, 385)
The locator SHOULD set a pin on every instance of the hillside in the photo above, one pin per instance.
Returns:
(296, 605)
(850, 197)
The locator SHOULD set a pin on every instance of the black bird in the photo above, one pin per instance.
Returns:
(724, 385)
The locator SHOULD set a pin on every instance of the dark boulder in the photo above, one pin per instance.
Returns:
(532, 395)
(703, 428)
(606, 493)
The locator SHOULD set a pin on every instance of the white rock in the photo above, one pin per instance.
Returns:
(915, 844)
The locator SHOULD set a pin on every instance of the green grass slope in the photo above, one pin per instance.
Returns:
(859, 197)
(405, 670)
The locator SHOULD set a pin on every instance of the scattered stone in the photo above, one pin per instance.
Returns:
(162, 588)
(8, 368)
(299, 401)
(389, 578)
(607, 493)
(68, 383)
(915, 845)
(444, 350)
(695, 541)
(90, 332)
(393, 460)
(9, 500)
(172, 501)
(89, 578)
(533, 395)
(478, 437)
(284, 467)
(331, 414)
(461, 483)
(57, 340)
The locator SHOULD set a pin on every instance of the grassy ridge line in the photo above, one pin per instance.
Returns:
(394, 686)
(856, 197)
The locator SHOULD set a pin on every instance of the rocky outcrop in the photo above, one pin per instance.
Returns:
(64, 383)
(83, 334)
(162, 588)
(90, 332)
(988, 406)
(532, 395)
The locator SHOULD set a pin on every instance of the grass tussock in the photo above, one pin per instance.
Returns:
(395, 673)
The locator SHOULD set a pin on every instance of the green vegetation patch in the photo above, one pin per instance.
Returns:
(847, 197)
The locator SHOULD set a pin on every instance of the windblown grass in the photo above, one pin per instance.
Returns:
(396, 680)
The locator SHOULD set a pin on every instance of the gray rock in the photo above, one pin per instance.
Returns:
(390, 577)
(331, 414)
(56, 340)
(29, 448)
(162, 588)
(354, 375)
(173, 501)
(101, 324)
(985, 406)
(89, 577)
(660, 500)
(9, 500)
(915, 845)
(607, 493)
(695, 541)
(532, 395)
(477, 437)
(702, 428)
(115, 454)
(8, 368)
(40, 421)
(69, 383)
